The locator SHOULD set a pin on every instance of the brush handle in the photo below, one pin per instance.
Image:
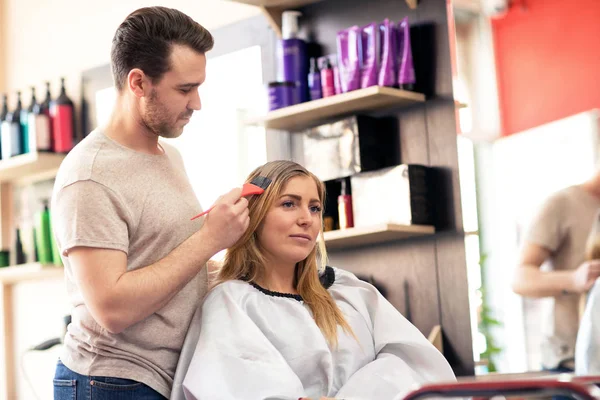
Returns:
(202, 213)
(247, 190)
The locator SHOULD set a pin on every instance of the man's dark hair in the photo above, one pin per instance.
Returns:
(146, 38)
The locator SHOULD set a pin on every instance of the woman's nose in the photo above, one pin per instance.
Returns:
(305, 218)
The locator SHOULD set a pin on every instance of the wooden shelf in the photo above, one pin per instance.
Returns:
(272, 9)
(352, 237)
(29, 272)
(30, 167)
(302, 115)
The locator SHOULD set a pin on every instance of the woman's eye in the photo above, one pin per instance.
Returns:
(287, 204)
(315, 209)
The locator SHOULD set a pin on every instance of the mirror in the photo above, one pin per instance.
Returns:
(525, 136)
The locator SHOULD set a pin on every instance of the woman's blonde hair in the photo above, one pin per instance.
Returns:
(245, 260)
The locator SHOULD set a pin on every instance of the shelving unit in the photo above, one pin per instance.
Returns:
(346, 238)
(302, 115)
(272, 9)
(9, 276)
(30, 167)
(20, 170)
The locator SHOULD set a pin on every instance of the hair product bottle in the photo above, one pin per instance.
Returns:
(293, 61)
(314, 80)
(39, 128)
(345, 207)
(62, 113)
(42, 235)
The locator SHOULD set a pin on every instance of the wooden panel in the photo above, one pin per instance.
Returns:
(405, 273)
(414, 147)
(9, 381)
(354, 237)
(309, 113)
(454, 302)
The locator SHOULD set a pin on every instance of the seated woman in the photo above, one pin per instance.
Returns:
(278, 324)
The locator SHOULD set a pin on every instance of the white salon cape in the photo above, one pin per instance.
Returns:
(258, 345)
(587, 348)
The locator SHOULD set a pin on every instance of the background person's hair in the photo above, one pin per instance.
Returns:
(245, 261)
(145, 40)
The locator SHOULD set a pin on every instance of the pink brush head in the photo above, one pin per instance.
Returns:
(256, 186)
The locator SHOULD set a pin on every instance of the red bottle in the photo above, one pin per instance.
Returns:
(62, 113)
(345, 208)
(327, 80)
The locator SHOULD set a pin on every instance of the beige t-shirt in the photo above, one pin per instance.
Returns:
(109, 196)
(562, 226)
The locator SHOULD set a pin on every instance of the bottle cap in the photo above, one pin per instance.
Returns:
(289, 24)
(343, 189)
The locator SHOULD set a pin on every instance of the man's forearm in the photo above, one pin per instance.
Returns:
(530, 281)
(140, 293)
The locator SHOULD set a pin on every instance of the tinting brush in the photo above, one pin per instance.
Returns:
(256, 186)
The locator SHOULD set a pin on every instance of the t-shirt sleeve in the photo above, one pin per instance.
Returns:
(89, 214)
(546, 228)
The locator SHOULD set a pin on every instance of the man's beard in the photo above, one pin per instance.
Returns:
(157, 118)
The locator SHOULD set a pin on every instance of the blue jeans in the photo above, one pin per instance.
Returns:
(69, 385)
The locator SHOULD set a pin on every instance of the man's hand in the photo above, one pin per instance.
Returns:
(227, 221)
(585, 276)
(531, 281)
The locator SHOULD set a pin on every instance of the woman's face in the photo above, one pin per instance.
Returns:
(291, 227)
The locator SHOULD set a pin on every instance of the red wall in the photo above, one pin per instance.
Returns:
(548, 61)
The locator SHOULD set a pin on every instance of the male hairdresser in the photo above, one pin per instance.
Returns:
(135, 264)
(557, 239)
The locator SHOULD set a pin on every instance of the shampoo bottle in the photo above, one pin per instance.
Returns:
(12, 132)
(327, 80)
(293, 62)
(345, 207)
(45, 109)
(62, 114)
(314, 80)
(4, 111)
(19, 253)
(28, 145)
(42, 235)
